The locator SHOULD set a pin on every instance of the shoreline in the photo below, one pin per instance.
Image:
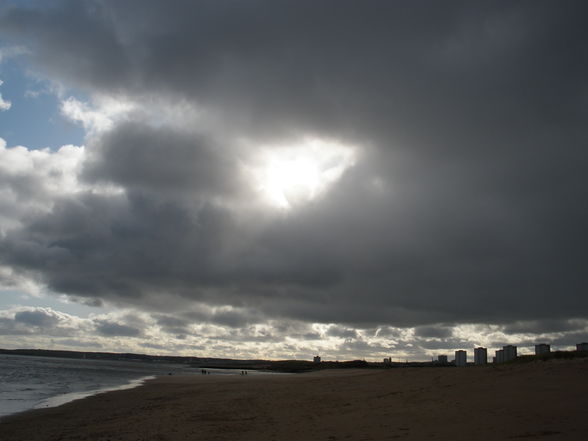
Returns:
(533, 400)
(61, 399)
(33, 382)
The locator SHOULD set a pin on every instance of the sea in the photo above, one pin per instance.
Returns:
(30, 382)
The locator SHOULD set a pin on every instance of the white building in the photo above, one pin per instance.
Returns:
(480, 355)
(461, 358)
(582, 347)
(542, 348)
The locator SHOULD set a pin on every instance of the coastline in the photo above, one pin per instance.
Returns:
(533, 400)
(60, 400)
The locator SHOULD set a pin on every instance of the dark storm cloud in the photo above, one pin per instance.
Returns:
(172, 325)
(112, 329)
(36, 318)
(8, 326)
(30, 321)
(340, 331)
(433, 331)
(536, 326)
(571, 339)
(471, 114)
(162, 162)
(57, 23)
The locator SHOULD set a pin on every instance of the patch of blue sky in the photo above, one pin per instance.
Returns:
(34, 119)
(15, 298)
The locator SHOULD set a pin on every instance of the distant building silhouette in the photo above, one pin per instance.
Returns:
(582, 347)
(480, 356)
(388, 360)
(542, 348)
(461, 358)
(316, 359)
(499, 358)
(510, 352)
(442, 359)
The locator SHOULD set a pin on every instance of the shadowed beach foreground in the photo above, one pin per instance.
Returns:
(539, 400)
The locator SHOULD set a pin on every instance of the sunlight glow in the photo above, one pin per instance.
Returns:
(290, 175)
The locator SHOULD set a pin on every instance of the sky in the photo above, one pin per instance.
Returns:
(281, 179)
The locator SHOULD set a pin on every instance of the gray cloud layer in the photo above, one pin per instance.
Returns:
(471, 115)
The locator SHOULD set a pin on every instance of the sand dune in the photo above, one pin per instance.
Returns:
(540, 400)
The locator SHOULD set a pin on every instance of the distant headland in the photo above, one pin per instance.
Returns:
(291, 366)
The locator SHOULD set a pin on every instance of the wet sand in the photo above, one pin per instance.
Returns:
(540, 400)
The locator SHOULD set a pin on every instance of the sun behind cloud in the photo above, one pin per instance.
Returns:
(290, 175)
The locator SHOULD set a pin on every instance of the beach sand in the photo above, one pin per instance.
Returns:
(539, 400)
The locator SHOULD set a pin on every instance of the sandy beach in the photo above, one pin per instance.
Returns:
(539, 400)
